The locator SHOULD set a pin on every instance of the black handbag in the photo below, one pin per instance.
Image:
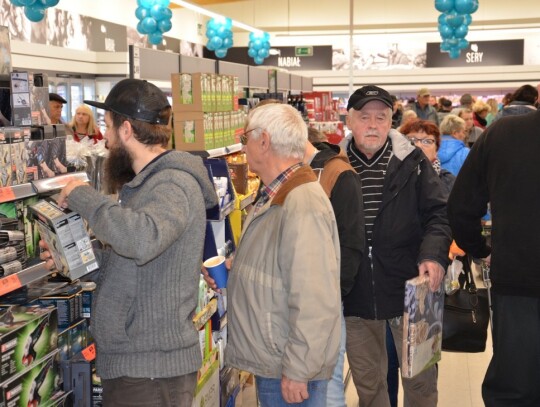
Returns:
(466, 316)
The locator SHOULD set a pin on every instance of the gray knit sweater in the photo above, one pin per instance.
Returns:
(149, 272)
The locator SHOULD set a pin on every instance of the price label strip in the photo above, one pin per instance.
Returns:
(9, 284)
(7, 194)
(89, 353)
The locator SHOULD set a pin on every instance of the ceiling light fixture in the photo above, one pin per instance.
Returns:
(211, 14)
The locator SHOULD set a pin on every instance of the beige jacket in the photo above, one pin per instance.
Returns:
(283, 290)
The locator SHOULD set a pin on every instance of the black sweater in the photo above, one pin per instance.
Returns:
(503, 169)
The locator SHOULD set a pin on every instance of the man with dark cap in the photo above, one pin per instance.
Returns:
(147, 347)
(407, 235)
(56, 104)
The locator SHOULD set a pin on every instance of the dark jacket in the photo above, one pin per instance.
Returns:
(515, 108)
(504, 172)
(447, 179)
(411, 226)
(345, 193)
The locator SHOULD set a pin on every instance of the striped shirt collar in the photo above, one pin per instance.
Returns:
(354, 151)
(270, 191)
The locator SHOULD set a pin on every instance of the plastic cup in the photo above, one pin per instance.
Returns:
(217, 270)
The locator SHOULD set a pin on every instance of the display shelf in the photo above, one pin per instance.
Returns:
(205, 314)
(224, 212)
(221, 151)
(248, 200)
(41, 186)
(22, 278)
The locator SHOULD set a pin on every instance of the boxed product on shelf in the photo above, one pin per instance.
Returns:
(73, 340)
(5, 161)
(208, 124)
(192, 92)
(207, 390)
(15, 139)
(65, 233)
(26, 335)
(20, 99)
(68, 302)
(35, 386)
(189, 131)
(46, 150)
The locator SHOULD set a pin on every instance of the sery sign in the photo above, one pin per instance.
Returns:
(478, 53)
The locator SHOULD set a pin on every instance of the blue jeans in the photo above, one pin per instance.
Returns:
(335, 395)
(269, 393)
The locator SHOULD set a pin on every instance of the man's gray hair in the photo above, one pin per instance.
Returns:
(285, 126)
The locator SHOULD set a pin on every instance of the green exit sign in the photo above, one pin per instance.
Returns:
(303, 51)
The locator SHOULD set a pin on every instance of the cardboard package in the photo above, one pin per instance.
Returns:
(189, 131)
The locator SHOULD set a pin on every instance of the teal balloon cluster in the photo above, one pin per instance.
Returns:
(259, 46)
(220, 36)
(454, 24)
(154, 19)
(35, 10)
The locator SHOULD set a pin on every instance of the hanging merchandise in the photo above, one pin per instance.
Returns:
(454, 24)
(259, 46)
(35, 10)
(220, 36)
(154, 19)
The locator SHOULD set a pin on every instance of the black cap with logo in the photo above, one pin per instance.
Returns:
(367, 94)
(55, 97)
(136, 99)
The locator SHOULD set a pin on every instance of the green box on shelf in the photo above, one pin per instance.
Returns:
(27, 334)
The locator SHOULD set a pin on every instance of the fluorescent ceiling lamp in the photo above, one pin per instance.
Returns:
(211, 14)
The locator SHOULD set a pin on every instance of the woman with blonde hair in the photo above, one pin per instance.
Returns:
(494, 105)
(480, 109)
(84, 125)
(453, 150)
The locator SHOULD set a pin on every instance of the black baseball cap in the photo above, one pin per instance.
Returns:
(366, 94)
(55, 97)
(136, 99)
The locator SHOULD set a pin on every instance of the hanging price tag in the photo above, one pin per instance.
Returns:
(89, 353)
(7, 194)
(9, 284)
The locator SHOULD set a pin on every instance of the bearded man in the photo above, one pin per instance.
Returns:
(147, 347)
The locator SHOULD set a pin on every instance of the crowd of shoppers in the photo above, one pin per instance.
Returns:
(325, 251)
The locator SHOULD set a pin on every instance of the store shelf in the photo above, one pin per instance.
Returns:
(41, 186)
(248, 200)
(22, 278)
(206, 313)
(220, 152)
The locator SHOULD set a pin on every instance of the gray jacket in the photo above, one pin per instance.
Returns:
(284, 295)
(149, 272)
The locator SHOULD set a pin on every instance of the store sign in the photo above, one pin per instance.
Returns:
(291, 58)
(478, 53)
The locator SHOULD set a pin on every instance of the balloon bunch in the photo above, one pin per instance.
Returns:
(454, 24)
(154, 19)
(259, 46)
(35, 10)
(220, 36)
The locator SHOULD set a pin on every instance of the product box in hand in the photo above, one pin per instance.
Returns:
(65, 233)
(422, 326)
(27, 334)
(36, 386)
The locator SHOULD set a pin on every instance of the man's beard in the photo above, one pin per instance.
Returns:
(118, 168)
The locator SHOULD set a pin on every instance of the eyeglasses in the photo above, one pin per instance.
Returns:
(424, 141)
(244, 136)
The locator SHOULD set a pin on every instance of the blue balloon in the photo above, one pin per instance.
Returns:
(34, 14)
(227, 43)
(446, 31)
(258, 60)
(140, 28)
(27, 3)
(461, 31)
(48, 3)
(146, 3)
(464, 6)
(463, 43)
(257, 44)
(475, 7)
(252, 53)
(442, 19)
(142, 12)
(164, 26)
(222, 32)
(454, 19)
(213, 24)
(158, 12)
(210, 47)
(228, 23)
(454, 42)
(468, 19)
(444, 5)
(263, 53)
(168, 13)
(163, 3)
(266, 36)
(210, 33)
(454, 53)
(155, 38)
(149, 24)
(266, 44)
(445, 46)
(220, 53)
(215, 42)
